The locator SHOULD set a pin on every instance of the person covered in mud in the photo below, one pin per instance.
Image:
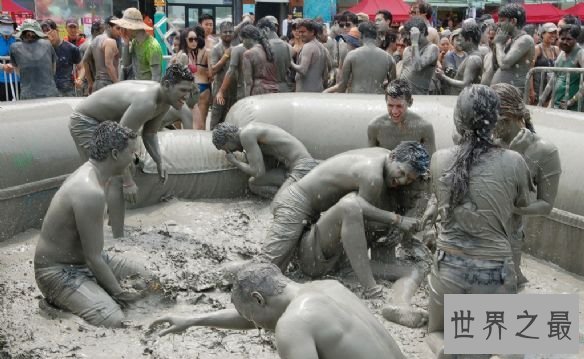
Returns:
(320, 319)
(259, 69)
(473, 254)
(351, 189)
(258, 140)
(400, 123)
(367, 69)
(218, 64)
(471, 68)
(312, 69)
(514, 48)
(71, 268)
(419, 58)
(515, 131)
(134, 104)
(281, 50)
(233, 81)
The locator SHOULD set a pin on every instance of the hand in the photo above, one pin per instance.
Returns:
(414, 35)
(130, 192)
(177, 325)
(429, 218)
(439, 72)
(502, 36)
(408, 224)
(220, 98)
(521, 141)
(78, 83)
(162, 172)
(128, 296)
(8, 68)
(230, 157)
(227, 52)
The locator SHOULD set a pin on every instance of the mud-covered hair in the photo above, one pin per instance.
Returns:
(418, 23)
(513, 11)
(399, 88)
(223, 133)
(414, 154)
(512, 104)
(251, 32)
(368, 30)
(572, 30)
(176, 73)
(264, 278)
(225, 25)
(476, 127)
(109, 136)
(265, 23)
(471, 31)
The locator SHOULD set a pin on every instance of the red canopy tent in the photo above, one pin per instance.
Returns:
(11, 6)
(576, 10)
(540, 13)
(399, 10)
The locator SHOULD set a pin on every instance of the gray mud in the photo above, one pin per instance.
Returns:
(184, 243)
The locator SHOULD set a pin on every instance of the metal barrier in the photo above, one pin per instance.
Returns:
(10, 82)
(555, 70)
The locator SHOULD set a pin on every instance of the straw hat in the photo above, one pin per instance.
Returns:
(31, 25)
(132, 20)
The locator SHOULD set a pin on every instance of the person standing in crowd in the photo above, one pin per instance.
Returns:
(546, 54)
(444, 48)
(311, 70)
(219, 63)
(514, 49)
(259, 70)
(104, 55)
(423, 10)
(385, 37)
(141, 52)
(281, 50)
(455, 56)
(193, 54)
(203, 75)
(68, 56)
(419, 58)
(7, 74)
(97, 28)
(73, 35)
(367, 69)
(35, 60)
(571, 56)
(470, 70)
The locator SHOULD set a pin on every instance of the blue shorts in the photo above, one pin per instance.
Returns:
(204, 87)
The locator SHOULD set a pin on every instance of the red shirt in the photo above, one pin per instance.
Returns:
(80, 40)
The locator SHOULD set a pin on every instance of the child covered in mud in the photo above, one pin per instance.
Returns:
(71, 269)
(315, 319)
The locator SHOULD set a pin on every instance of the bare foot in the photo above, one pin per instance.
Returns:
(406, 316)
(373, 292)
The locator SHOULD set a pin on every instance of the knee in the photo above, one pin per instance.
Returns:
(114, 320)
(348, 206)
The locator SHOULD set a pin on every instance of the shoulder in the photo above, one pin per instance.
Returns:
(526, 39)
(378, 121)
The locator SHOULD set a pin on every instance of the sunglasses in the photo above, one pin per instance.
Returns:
(345, 24)
(191, 39)
(46, 30)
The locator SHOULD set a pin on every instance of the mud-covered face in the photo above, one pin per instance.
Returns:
(507, 128)
(459, 43)
(178, 93)
(232, 146)
(506, 24)
(255, 310)
(396, 108)
(305, 35)
(399, 174)
(567, 42)
(126, 156)
(444, 44)
(227, 34)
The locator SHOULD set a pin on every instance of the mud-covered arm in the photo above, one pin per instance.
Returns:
(256, 167)
(472, 69)
(518, 50)
(372, 131)
(88, 209)
(87, 61)
(420, 60)
(247, 74)
(429, 140)
(344, 79)
(111, 51)
(223, 319)
(150, 138)
(578, 95)
(370, 190)
(305, 60)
